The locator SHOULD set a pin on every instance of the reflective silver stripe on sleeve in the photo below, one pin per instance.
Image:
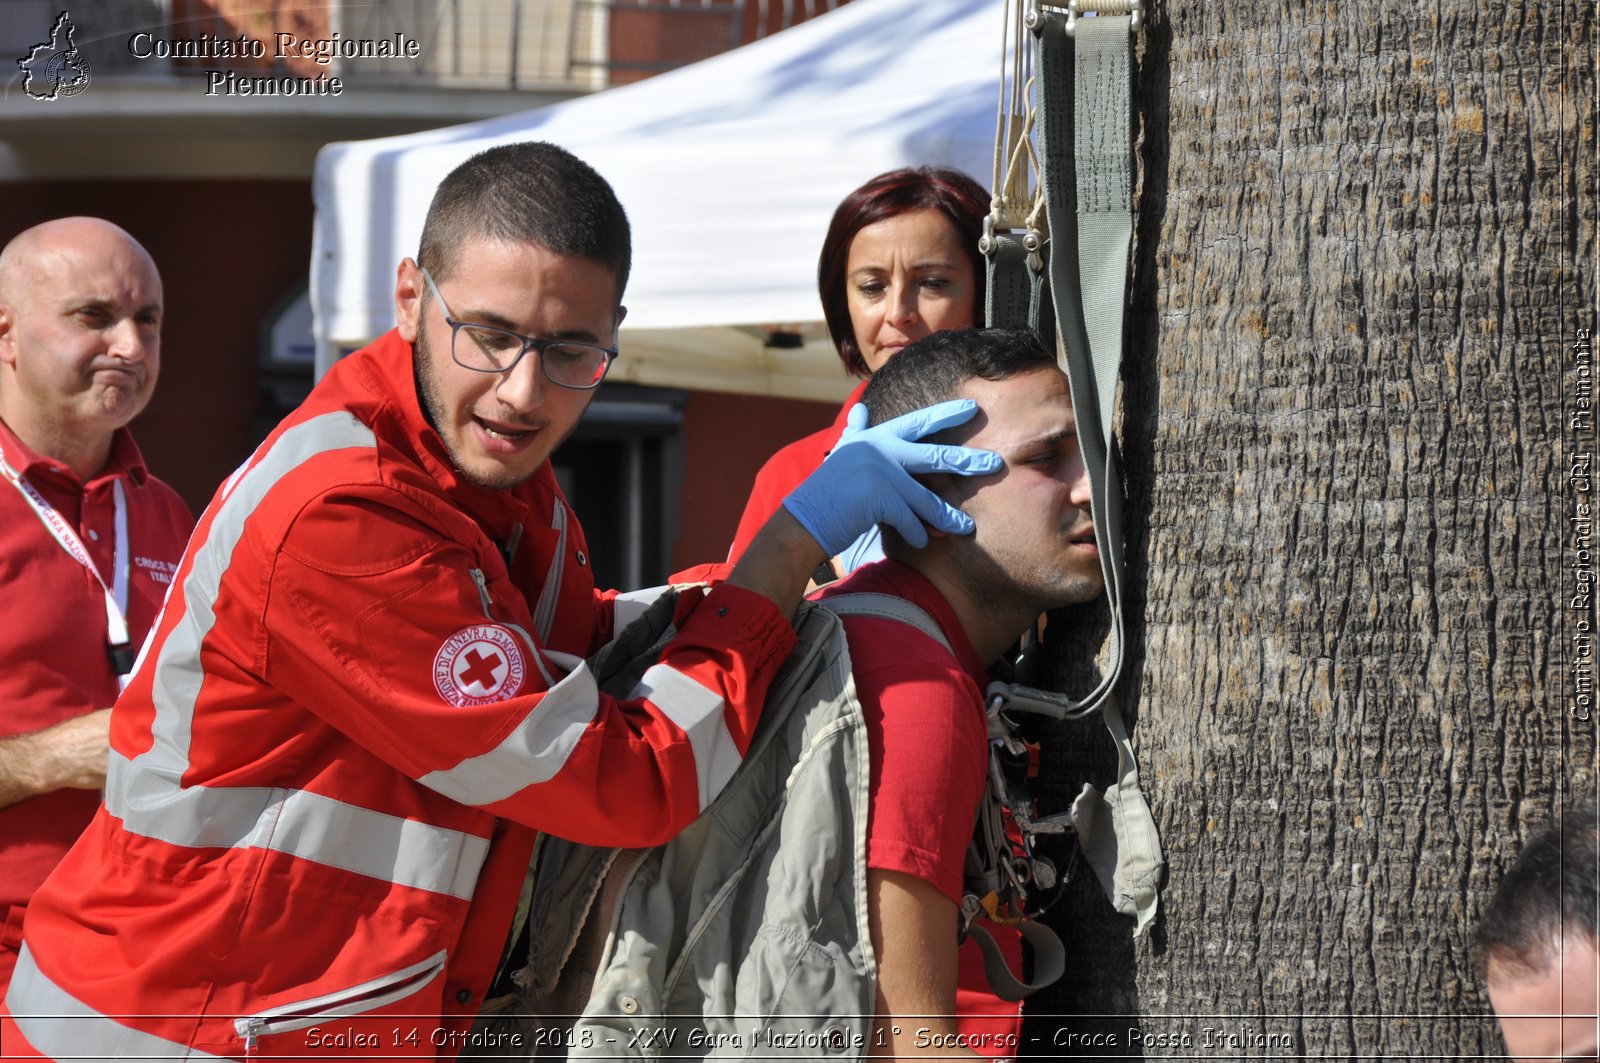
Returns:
(147, 792)
(547, 679)
(536, 750)
(63, 1027)
(699, 712)
(626, 608)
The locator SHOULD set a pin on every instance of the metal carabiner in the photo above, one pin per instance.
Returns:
(1033, 242)
(987, 244)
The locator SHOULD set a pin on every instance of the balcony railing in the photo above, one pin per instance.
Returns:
(467, 44)
(459, 44)
(484, 43)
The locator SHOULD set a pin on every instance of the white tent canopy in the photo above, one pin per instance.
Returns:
(729, 170)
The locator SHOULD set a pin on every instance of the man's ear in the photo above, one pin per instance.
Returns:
(944, 485)
(8, 335)
(940, 533)
(622, 312)
(408, 299)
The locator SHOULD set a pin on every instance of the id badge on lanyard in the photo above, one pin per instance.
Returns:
(118, 646)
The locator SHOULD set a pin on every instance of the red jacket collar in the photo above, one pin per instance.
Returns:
(844, 411)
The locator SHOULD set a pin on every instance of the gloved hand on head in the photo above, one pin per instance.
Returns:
(867, 479)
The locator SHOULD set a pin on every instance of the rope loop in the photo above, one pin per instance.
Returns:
(1018, 201)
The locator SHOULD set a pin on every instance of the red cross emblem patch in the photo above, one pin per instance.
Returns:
(478, 665)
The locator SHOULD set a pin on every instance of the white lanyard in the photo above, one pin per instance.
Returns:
(121, 562)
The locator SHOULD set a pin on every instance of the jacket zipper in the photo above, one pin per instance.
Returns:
(483, 592)
(533, 648)
(545, 613)
(355, 1000)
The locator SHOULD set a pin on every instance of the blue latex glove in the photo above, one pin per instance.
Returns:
(867, 479)
(864, 551)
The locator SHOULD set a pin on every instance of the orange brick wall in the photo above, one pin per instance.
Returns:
(726, 439)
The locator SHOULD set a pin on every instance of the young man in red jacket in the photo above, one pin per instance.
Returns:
(367, 692)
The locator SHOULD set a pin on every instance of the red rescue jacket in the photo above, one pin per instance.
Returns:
(363, 699)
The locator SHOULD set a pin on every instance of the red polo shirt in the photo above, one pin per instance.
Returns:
(54, 663)
(928, 747)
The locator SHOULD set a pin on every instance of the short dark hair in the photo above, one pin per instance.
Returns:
(531, 192)
(950, 192)
(1548, 894)
(933, 369)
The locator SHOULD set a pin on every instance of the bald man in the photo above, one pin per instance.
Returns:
(88, 538)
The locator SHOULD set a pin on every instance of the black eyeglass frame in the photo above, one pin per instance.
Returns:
(529, 343)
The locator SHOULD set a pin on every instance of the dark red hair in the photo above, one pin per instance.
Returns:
(950, 192)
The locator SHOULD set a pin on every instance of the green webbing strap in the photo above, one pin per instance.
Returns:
(1082, 98)
(1049, 959)
(1103, 161)
(1008, 295)
(1087, 282)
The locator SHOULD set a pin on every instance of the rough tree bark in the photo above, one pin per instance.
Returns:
(1354, 433)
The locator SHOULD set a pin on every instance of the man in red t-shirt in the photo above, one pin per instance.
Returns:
(88, 538)
(1033, 549)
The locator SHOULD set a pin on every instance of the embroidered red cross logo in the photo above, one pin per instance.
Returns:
(480, 668)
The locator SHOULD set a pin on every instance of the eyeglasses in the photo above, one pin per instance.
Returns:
(486, 349)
